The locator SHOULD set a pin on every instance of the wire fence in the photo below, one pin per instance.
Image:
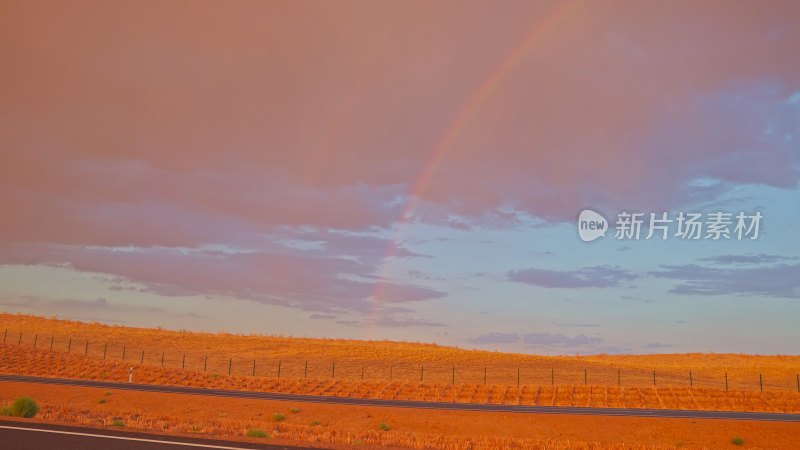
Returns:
(424, 372)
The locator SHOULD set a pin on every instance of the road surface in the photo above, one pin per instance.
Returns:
(630, 412)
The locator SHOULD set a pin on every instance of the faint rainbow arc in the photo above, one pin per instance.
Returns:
(461, 119)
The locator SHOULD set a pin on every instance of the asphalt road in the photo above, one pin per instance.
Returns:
(630, 412)
(21, 435)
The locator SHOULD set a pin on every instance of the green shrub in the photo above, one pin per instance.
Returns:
(214, 375)
(384, 426)
(737, 441)
(256, 433)
(680, 443)
(294, 410)
(101, 401)
(107, 393)
(6, 411)
(278, 417)
(25, 407)
(314, 423)
(118, 423)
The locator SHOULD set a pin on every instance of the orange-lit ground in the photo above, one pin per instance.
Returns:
(398, 361)
(230, 418)
(28, 361)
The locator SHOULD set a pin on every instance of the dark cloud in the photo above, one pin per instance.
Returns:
(771, 281)
(597, 276)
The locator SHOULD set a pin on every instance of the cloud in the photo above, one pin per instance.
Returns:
(575, 324)
(393, 322)
(322, 316)
(761, 258)
(496, 338)
(597, 276)
(293, 279)
(771, 281)
(558, 340)
(655, 345)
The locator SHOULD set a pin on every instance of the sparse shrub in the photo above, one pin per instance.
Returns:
(195, 427)
(24, 407)
(357, 442)
(278, 417)
(101, 401)
(314, 423)
(256, 433)
(107, 393)
(214, 375)
(294, 410)
(680, 443)
(6, 411)
(384, 426)
(737, 441)
(118, 423)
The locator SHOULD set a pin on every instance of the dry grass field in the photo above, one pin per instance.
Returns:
(358, 427)
(383, 361)
(27, 361)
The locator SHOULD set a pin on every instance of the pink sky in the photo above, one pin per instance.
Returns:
(183, 131)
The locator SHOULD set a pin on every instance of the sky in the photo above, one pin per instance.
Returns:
(407, 170)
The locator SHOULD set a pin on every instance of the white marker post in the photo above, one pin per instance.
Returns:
(130, 376)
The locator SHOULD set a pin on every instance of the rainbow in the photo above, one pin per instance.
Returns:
(465, 114)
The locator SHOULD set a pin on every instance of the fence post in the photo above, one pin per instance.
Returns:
(4, 336)
(517, 376)
(123, 353)
(391, 368)
(205, 364)
(333, 370)
(230, 365)
(761, 382)
(105, 350)
(421, 372)
(619, 378)
(484, 375)
(654, 378)
(254, 367)
(69, 346)
(454, 375)
(35, 339)
(51, 342)
(691, 383)
(86, 352)
(552, 376)
(726, 381)
(362, 371)
(305, 373)
(20, 338)
(279, 368)
(162, 359)
(183, 361)
(585, 377)
(798, 381)
(142, 361)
